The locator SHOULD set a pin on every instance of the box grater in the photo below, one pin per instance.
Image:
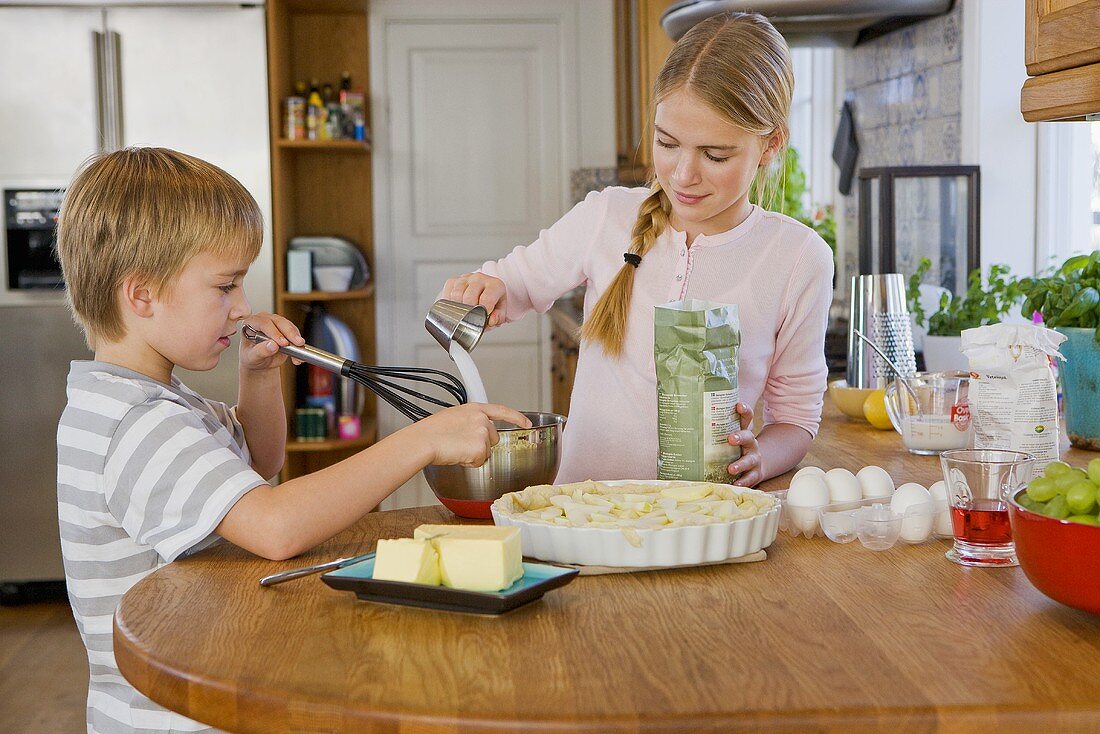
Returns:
(879, 310)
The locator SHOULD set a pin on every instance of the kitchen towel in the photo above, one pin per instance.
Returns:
(846, 148)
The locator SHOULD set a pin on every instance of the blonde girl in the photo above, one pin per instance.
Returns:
(719, 120)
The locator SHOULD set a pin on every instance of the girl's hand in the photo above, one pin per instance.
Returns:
(266, 355)
(476, 289)
(750, 465)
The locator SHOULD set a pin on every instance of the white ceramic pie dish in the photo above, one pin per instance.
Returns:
(669, 546)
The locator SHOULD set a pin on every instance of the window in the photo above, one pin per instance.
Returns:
(1068, 209)
(1095, 185)
(813, 121)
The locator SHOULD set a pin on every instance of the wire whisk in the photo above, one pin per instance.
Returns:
(382, 381)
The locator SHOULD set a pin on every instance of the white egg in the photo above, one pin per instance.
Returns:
(875, 482)
(942, 524)
(808, 490)
(807, 493)
(808, 470)
(843, 486)
(917, 525)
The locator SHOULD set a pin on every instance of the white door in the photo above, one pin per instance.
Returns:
(474, 132)
(195, 80)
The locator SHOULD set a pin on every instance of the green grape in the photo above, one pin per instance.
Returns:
(1057, 508)
(1041, 489)
(1084, 519)
(1056, 469)
(1094, 471)
(1064, 481)
(1029, 503)
(1081, 498)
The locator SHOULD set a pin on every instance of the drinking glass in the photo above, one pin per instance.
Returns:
(931, 411)
(979, 483)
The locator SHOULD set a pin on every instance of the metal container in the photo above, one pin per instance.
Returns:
(523, 458)
(449, 321)
(879, 310)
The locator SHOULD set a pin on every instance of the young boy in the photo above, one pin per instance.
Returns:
(154, 245)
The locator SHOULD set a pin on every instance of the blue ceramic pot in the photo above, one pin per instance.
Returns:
(1081, 387)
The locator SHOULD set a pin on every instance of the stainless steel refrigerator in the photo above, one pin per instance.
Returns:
(79, 80)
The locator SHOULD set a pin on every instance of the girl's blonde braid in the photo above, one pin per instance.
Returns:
(606, 325)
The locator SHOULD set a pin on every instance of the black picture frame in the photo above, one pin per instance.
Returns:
(909, 212)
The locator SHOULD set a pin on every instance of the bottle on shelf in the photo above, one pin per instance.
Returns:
(334, 122)
(316, 387)
(353, 109)
(294, 113)
(315, 113)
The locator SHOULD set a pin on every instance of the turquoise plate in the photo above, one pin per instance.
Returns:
(537, 579)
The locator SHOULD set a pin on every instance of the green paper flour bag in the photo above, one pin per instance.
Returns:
(695, 350)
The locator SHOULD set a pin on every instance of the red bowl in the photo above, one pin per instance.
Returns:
(1059, 557)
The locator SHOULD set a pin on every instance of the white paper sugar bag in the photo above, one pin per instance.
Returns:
(1013, 397)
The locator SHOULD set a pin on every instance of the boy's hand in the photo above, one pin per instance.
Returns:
(266, 355)
(465, 434)
(479, 289)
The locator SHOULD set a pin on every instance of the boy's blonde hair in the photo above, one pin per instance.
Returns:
(145, 212)
(739, 66)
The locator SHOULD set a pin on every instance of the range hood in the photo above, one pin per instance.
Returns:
(812, 22)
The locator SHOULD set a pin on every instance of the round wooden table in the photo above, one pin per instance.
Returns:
(820, 636)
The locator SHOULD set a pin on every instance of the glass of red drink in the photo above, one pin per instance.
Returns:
(979, 483)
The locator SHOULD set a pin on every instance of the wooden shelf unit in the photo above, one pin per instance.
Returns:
(345, 146)
(353, 295)
(369, 436)
(320, 188)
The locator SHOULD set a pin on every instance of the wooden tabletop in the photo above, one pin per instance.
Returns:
(821, 637)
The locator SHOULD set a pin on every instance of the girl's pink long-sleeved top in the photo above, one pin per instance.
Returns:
(776, 270)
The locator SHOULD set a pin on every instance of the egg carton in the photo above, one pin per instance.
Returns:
(871, 521)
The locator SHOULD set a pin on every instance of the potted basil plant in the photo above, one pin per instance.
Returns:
(1069, 301)
(982, 304)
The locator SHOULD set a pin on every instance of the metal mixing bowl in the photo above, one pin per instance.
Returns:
(524, 457)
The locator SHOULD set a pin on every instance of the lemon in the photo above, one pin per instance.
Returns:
(874, 410)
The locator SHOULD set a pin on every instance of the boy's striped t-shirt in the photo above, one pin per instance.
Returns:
(145, 472)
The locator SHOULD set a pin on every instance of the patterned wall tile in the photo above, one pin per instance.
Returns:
(906, 90)
(583, 180)
(949, 88)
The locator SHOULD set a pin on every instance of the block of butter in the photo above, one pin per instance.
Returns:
(407, 559)
(476, 557)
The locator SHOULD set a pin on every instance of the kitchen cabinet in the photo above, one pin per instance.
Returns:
(565, 320)
(641, 46)
(320, 188)
(1062, 54)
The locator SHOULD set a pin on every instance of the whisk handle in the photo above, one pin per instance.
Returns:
(306, 353)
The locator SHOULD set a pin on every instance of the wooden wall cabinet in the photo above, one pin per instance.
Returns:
(1062, 54)
(320, 188)
(565, 321)
(641, 47)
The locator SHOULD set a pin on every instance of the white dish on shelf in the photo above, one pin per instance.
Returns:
(660, 547)
(332, 278)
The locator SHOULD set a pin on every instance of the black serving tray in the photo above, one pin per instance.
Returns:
(537, 579)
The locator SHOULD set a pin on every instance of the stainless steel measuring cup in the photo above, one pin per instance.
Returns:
(449, 321)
